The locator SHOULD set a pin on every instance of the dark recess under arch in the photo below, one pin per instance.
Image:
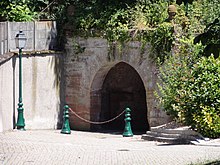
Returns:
(115, 88)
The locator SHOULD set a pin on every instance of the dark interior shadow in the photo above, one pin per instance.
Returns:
(120, 91)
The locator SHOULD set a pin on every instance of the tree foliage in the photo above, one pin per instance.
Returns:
(16, 10)
(210, 39)
(189, 83)
(191, 93)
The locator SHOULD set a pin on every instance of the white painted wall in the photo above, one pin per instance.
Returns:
(41, 93)
(6, 96)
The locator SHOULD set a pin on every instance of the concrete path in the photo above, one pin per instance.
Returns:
(49, 147)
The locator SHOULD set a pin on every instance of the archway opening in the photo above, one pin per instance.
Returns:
(121, 87)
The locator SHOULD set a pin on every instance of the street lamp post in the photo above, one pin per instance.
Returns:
(20, 41)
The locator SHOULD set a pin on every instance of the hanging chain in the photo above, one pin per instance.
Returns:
(93, 122)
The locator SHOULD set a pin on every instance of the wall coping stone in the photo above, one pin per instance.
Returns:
(7, 56)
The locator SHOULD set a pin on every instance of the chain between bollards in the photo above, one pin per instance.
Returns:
(127, 129)
(95, 122)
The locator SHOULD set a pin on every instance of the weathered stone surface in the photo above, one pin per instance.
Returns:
(94, 65)
(40, 35)
(41, 91)
(97, 83)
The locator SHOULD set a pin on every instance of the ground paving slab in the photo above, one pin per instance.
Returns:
(50, 147)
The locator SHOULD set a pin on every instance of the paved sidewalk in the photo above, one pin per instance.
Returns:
(49, 147)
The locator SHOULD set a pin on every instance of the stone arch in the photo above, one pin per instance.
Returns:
(117, 86)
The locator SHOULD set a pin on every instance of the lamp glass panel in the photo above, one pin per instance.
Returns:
(22, 43)
(20, 40)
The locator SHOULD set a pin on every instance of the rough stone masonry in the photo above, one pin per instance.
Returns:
(101, 81)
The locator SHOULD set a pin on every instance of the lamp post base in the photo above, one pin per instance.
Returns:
(20, 121)
(21, 128)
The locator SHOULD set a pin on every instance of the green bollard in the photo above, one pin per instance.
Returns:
(66, 126)
(127, 130)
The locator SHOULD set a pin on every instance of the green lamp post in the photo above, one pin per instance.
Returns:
(20, 41)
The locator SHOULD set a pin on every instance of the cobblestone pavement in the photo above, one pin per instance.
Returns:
(49, 147)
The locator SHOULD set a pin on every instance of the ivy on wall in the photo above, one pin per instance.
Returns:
(145, 21)
(119, 20)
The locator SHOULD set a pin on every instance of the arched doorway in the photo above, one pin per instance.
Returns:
(114, 88)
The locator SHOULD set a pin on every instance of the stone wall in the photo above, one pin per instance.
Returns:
(83, 79)
(40, 35)
(41, 91)
(87, 64)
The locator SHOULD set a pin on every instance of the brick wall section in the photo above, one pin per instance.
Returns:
(85, 72)
(79, 72)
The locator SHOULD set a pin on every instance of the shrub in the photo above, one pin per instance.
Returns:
(191, 93)
(204, 97)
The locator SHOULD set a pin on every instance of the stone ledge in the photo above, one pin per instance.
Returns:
(34, 53)
(6, 57)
